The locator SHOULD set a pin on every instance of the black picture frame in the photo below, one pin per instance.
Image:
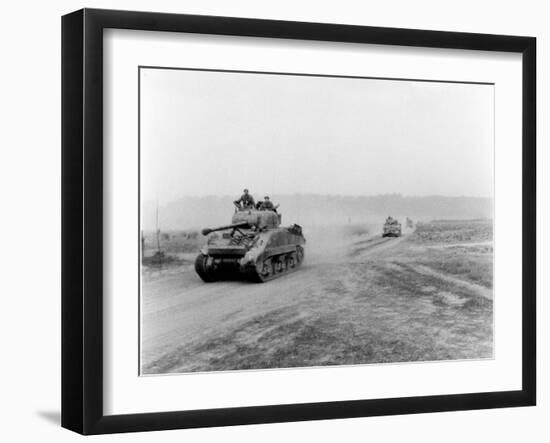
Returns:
(82, 220)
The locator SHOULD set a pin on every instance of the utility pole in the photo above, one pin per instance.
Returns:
(142, 246)
(159, 254)
(158, 230)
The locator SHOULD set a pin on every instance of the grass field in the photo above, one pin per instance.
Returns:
(426, 296)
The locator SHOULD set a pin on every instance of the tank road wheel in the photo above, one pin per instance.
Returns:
(266, 271)
(278, 266)
(201, 267)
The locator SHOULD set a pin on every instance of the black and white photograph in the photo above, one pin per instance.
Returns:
(300, 220)
(260, 222)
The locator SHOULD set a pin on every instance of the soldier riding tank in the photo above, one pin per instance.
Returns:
(253, 246)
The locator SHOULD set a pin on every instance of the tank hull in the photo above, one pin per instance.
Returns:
(259, 253)
(213, 267)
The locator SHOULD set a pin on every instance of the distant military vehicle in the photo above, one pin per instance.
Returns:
(253, 246)
(409, 223)
(392, 228)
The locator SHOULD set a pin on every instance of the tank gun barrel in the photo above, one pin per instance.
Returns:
(207, 231)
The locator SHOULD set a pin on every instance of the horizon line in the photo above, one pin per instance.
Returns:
(309, 194)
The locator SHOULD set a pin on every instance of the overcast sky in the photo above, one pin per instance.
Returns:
(214, 133)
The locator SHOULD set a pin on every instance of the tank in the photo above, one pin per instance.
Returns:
(392, 228)
(254, 246)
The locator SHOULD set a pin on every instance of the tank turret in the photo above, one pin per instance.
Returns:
(253, 246)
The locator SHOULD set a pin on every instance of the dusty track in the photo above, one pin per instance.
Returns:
(180, 309)
(357, 299)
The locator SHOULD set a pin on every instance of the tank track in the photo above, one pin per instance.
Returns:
(269, 269)
(276, 266)
(391, 235)
(206, 273)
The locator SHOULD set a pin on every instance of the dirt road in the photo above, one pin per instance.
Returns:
(182, 308)
(190, 325)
